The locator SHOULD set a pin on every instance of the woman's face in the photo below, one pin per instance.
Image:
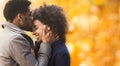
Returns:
(37, 29)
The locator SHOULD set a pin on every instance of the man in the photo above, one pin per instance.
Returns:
(15, 48)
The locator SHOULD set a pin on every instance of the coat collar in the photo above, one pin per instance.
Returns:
(12, 27)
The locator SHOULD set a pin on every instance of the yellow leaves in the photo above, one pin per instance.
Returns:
(71, 47)
(102, 37)
(87, 62)
(98, 2)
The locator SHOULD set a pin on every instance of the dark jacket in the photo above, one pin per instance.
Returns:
(60, 55)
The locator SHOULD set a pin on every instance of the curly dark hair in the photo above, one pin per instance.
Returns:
(52, 16)
(13, 7)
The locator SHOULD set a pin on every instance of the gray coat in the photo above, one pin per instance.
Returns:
(15, 49)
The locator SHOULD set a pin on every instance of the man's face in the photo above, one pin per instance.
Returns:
(27, 21)
(38, 29)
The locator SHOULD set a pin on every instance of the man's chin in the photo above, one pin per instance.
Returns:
(27, 29)
(30, 30)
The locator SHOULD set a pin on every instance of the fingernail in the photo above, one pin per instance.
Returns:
(48, 28)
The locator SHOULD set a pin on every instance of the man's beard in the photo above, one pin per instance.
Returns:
(27, 28)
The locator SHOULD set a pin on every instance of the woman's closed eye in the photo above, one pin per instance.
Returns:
(35, 28)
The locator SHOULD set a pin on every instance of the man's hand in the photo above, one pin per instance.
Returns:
(48, 36)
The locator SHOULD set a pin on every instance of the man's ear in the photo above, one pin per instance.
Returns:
(20, 16)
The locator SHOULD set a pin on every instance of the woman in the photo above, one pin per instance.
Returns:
(53, 17)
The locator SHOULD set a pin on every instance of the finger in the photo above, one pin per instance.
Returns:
(44, 28)
(49, 34)
(43, 31)
(56, 36)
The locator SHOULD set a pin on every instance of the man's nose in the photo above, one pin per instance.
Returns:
(34, 33)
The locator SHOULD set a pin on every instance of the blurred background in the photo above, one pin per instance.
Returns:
(94, 30)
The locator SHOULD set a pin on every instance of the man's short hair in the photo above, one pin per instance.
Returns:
(13, 7)
(54, 17)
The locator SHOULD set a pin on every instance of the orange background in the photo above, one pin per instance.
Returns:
(94, 30)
